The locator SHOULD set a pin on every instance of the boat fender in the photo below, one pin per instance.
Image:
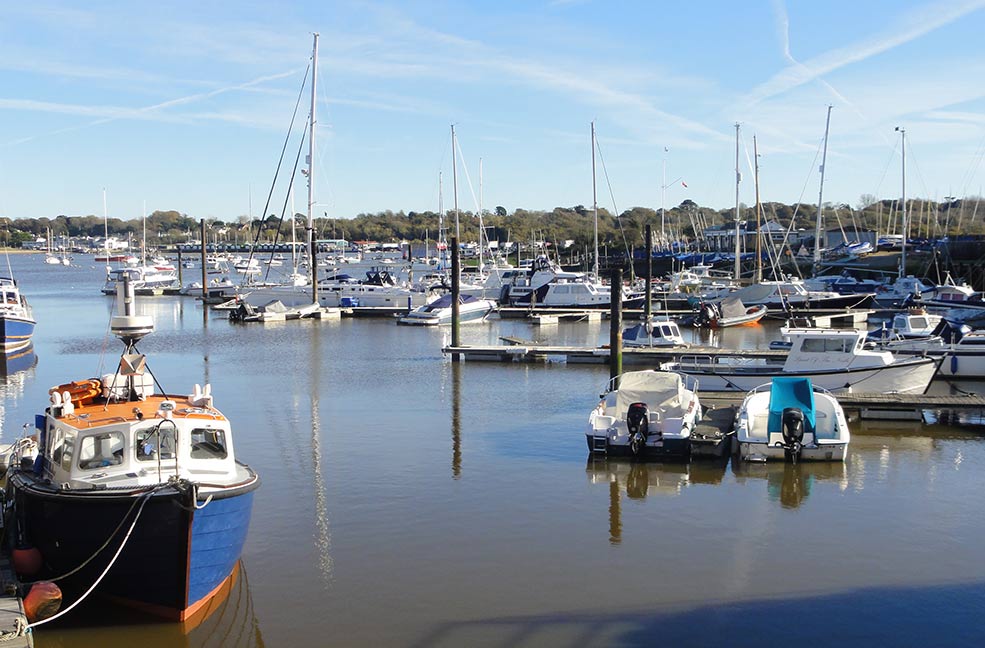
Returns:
(43, 601)
(954, 365)
(26, 560)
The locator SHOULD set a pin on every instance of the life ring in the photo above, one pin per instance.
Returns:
(82, 392)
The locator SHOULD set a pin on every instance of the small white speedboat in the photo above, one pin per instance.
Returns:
(645, 414)
(470, 309)
(789, 418)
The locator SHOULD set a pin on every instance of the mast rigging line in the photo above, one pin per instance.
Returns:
(287, 198)
(622, 231)
(280, 161)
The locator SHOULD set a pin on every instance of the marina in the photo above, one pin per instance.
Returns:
(450, 470)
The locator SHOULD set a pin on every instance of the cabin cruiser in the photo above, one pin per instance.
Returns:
(547, 285)
(834, 359)
(146, 277)
(645, 414)
(790, 418)
(792, 294)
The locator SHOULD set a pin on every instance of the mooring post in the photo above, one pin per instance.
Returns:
(649, 272)
(615, 324)
(205, 272)
(181, 282)
(456, 339)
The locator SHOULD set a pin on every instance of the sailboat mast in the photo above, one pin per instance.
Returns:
(143, 242)
(454, 181)
(738, 179)
(905, 224)
(482, 229)
(311, 175)
(820, 194)
(442, 244)
(595, 207)
(663, 200)
(759, 215)
(106, 231)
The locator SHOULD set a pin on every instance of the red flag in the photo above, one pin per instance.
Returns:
(684, 184)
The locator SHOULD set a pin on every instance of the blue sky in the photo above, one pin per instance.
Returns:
(185, 105)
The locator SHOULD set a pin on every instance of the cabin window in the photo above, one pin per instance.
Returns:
(68, 451)
(918, 323)
(208, 444)
(826, 345)
(155, 441)
(101, 450)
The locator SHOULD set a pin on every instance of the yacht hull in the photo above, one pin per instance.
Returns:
(15, 332)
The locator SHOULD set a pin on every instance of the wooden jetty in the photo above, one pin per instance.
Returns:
(518, 350)
(13, 621)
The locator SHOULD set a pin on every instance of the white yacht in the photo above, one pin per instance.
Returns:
(145, 277)
(470, 309)
(834, 359)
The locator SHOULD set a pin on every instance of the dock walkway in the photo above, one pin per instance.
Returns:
(12, 617)
(529, 351)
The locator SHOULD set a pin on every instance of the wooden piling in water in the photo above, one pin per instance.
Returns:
(615, 324)
(205, 272)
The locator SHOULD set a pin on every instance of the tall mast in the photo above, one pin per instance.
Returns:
(905, 225)
(442, 243)
(738, 179)
(454, 181)
(482, 230)
(759, 216)
(143, 242)
(106, 231)
(595, 207)
(820, 194)
(663, 201)
(311, 175)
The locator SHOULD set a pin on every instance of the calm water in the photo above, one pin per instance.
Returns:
(407, 501)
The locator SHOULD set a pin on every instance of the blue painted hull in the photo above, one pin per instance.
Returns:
(177, 557)
(15, 332)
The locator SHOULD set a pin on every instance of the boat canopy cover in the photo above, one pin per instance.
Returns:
(755, 292)
(732, 307)
(655, 388)
(788, 391)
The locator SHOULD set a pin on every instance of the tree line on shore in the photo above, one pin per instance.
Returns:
(686, 221)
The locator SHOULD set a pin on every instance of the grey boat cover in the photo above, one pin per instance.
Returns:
(655, 388)
(732, 307)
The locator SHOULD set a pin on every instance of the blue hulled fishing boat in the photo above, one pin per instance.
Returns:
(16, 319)
(135, 494)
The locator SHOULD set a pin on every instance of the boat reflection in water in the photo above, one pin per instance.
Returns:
(788, 483)
(228, 620)
(17, 361)
(639, 479)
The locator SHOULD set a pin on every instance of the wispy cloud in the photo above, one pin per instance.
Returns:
(908, 27)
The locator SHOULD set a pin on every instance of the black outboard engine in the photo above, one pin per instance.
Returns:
(637, 422)
(793, 431)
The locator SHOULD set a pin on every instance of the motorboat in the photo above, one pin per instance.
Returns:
(729, 312)
(789, 418)
(439, 311)
(962, 354)
(792, 294)
(140, 277)
(655, 332)
(645, 414)
(546, 285)
(135, 495)
(834, 359)
(16, 317)
(915, 323)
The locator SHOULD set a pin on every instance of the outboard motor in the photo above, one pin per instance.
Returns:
(793, 431)
(504, 295)
(637, 422)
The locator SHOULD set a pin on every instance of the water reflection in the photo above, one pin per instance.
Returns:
(790, 484)
(228, 620)
(456, 420)
(639, 479)
(16, 369)
(323, 537)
